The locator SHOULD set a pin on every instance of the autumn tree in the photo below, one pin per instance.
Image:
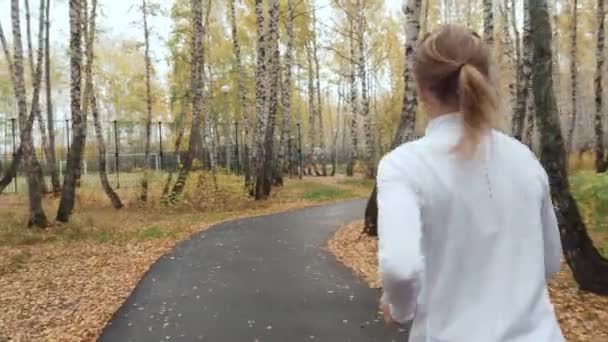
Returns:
(601, 163)
(144, 181)
(407, 121)
(589, 268)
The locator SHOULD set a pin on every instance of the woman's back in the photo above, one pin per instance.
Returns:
(481, 237)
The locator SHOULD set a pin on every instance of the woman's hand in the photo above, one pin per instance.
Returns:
(386, 313)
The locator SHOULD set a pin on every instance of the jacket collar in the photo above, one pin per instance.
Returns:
(444, 122)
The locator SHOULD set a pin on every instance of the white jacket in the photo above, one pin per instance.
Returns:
(466, 247)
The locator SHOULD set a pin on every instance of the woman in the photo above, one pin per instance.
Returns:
(468, 235)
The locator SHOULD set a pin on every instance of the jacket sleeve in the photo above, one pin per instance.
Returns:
(399, 230)
(551, 237)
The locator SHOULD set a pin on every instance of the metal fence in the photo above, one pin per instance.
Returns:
(125, 158)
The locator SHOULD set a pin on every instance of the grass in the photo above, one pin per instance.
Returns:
(591, 193)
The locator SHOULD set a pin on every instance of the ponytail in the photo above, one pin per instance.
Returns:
(478, 104)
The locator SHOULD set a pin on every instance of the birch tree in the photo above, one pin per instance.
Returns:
(573, 76)
(286, 88)
(601, 164)
(26, 149)
(525, 80)
(92, 99)
(354, 125)
(407, 121)
(265, 172)
(488, 22)
(144, 181)
(243, 107)
(51, 157)
(365, 109)
(589, 268)
(197, 65)
(318, 105)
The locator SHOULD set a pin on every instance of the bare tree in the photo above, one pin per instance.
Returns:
(354, 125)
(68, 193)
(589, 268)
(319, 107)
(365, 109)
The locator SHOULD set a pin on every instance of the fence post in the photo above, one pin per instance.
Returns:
(116, 154)
(67, 138)
(160, 142)
(236, 148)
(300, 161)
(13, 120)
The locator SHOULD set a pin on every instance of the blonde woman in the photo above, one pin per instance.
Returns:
(468, 235)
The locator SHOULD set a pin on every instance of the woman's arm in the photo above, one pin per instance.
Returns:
(551, 238)
(399, 231)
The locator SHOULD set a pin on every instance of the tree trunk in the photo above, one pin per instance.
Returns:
(243, 106)
(407, 123)
(601, 164)
(573, 77)
(525, 81)
(181, 128)
(312, 116)
(144, 180)
(589, 268)
(68, 193)
(265, 171)
(354, 126)
(488, 22)
(286, 95)
(319, 107)
(92, 98)
(370, 157)
(38, 114)
(37, 217)
(51, 157)
(258, 142)
(197, 68)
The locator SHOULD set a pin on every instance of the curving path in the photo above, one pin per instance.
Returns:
(265, 279)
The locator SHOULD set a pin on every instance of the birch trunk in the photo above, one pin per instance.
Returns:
(243, 106)
(319, 107)
(573, 77)
(92, 99)
(407, 122)
(601, 164)
(196, 86)
(365, 109)
(521, 107)
(488, 22)
(354, 125)
(51, 157)
(286, 95)
(37, 217)
(144, 181)
(68, 193)
(589, 268)
(312, 116)
(261, 94)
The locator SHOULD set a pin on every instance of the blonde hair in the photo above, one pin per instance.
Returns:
(453, 63)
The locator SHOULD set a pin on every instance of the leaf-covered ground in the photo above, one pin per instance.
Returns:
(582, 316)
(64, 284)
